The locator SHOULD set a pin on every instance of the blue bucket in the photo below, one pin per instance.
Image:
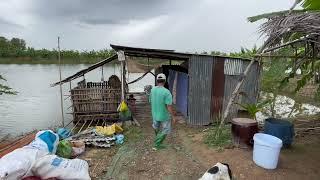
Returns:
(281, 129)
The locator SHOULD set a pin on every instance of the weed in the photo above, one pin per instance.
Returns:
(133, 134)
(221, 140)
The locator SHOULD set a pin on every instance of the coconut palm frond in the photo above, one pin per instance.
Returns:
(273, 14)
(286, 27)
(311, 4)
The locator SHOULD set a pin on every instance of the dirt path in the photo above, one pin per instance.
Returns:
(187, 157)
(141, 162)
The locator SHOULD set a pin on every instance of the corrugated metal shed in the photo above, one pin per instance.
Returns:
(229, 85)
(233, 66)
(249, 90)
(200, 84)
(251, 84)
(217, 93)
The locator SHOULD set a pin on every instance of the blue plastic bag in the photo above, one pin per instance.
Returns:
(119, 139)
(63, 133)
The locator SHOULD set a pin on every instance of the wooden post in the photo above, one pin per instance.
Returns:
(122, 58)
(61, 99)
(122, 80)
(102, 78)
(72, 104)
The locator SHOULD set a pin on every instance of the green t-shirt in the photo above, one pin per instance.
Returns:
(159, 98)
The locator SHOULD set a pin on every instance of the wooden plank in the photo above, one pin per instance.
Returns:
(88, 89)
(17, 144)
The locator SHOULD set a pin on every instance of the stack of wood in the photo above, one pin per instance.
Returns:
(306, 127)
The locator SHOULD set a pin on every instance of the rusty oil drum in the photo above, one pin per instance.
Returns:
(243, 130)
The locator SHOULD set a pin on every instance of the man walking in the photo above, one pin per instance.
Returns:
(162, 111)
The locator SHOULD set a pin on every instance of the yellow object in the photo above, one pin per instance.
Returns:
(123, 107)
(108, 130)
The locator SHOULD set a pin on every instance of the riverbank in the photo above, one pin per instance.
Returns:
(28, 60)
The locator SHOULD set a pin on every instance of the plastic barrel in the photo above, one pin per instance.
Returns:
(243, 130)
(280, 128)
(266, 150)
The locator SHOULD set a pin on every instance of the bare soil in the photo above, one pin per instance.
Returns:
(187, 157)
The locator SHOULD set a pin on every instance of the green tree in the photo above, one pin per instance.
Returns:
(18, 44)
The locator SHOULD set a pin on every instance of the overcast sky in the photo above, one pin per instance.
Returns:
(184, 25)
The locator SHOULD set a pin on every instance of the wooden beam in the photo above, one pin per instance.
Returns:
(285, 44)
(283, 56)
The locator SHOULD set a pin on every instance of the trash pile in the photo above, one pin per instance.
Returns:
(54, 155)
(100, 136)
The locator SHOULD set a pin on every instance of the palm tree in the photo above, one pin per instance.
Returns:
(298, 30)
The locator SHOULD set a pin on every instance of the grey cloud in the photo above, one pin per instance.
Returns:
(184, 25)
(99, 11)
(100, 21)
(7, 24)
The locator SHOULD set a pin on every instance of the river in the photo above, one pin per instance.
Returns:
(37, 105)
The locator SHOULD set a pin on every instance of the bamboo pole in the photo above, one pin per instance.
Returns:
(61, 98)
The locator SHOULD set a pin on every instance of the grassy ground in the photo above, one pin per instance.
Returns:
(218, 141)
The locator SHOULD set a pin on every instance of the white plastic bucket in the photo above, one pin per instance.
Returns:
(266, 150)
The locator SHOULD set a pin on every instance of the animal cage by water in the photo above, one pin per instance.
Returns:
(97, 101)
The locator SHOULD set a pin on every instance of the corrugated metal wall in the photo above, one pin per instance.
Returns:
(200, 84)
(210, 87)
(251, 84)
(229, 85)
(217, 93)
(249, 90)
(233, 66)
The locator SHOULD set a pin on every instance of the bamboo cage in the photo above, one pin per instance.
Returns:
(96, 100)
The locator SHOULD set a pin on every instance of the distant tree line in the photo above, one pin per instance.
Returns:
(17, 48)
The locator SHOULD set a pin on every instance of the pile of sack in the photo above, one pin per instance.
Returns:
(39, 160)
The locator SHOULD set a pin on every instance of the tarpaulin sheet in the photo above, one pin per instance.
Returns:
(182, 93)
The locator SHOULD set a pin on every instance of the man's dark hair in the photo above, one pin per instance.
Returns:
(161, 81)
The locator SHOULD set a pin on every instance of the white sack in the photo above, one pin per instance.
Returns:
(18, 163)
(68, 169)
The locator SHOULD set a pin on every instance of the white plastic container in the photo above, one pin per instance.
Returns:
(266, 150)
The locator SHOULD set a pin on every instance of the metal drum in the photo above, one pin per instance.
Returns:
(243, 130)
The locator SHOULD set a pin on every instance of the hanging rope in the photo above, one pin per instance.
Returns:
(139, 78)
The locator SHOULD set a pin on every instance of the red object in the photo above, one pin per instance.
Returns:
(243, 130)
